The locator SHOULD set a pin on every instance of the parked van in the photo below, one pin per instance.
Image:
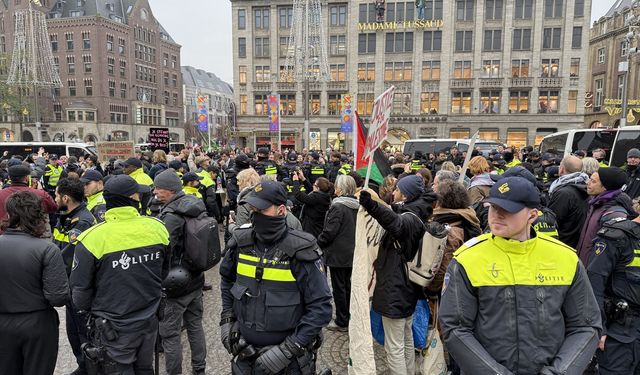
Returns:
(626, 139)
(59, 148)
(567, 141)
(434, 145)
(173, 147)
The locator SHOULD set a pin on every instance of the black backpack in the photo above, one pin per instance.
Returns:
(201, 242)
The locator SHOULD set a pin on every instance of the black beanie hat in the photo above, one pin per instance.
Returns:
(612, 178)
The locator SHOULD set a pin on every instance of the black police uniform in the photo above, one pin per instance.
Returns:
(290, 168)
(614, 272)
(275, 294)
(269, 168)
(314, 171)
(65, 235)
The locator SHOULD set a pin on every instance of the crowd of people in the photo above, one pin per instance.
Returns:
(540, 272)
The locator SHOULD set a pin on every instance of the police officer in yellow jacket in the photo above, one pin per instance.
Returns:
(614, 272)
(514, 302)
(191, 183)
(74, 219)
(93, 191)
(275, 296)
(117, 277)
(52, 173)
(133, 167)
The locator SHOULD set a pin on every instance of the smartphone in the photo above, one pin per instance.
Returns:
(232, 215)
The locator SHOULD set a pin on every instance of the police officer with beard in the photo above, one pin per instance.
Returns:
(614, 272)
(275, 295)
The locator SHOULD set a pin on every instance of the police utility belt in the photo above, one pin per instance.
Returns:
(619, 310)
(98, 361)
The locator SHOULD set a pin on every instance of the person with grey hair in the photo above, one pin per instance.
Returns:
(338, 241)
(443, 175)
(589, 166)
(568, 199)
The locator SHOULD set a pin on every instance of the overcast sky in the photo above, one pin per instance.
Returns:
(203, 28)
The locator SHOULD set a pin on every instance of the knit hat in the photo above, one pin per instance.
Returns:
(175, 164)
(612, 178)
(168, 180)
(411, 186)
(633, 153)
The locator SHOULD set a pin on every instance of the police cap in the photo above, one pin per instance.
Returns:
(513, 194)
(91, 175)
(266, 194)
(124, 185)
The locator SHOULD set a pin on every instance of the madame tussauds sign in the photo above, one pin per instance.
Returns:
(402, 25)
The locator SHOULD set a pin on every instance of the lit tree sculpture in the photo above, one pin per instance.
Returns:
(32, 64)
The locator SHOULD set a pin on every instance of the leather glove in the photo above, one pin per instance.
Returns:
(229, 331)
(278, 357)
(365, 200)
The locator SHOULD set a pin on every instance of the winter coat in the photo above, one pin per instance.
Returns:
(602, 208)
(463, 226)
(568, 201)
(243, 214)
(338, 238)
(394, 296)
(173, 215)
(316, 204)
(633, 184)
(479, 187)
(422, 206)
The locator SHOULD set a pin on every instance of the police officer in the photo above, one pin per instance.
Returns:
(275, 296)
(314, 170)
(265, 166)
(345, 169)
(334, 166)
(207, 186)
(191, 182)
(93, 191)
(119, 281)
(52, 173)
(514, 302)
(614, 272)
(133, 167)
(291, 167)
(74, 219)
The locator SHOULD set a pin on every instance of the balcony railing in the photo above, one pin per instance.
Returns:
(521, 82)
(462, 83)
(574, 81)
(262, 86)
(342, 86)
(366, 86)
(401, 86)
(491, 82)
(550, 82)
(286, 86)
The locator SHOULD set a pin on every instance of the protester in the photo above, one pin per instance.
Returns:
(481, 182)
(33, 280)
(315, 204)
(337, 242)
(159, 163)
(589, 166)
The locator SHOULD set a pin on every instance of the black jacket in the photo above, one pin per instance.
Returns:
(338, 238)
(173, 215)
(232, 187)
(633, 184)
(316, 204)
(421, 206)
(156, 169)
(394, 295)
(32, 274)
(569, 203)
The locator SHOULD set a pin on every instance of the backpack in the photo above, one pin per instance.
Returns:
(426, 263)
(201, 242)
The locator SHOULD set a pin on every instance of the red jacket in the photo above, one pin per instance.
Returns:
(48, 204)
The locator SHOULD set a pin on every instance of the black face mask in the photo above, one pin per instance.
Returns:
(268, 229)
(631, 168)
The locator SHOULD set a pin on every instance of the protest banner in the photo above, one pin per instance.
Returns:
(379, 128)
(118, 150)
(159, 139)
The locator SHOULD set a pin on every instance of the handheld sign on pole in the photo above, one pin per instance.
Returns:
(379, 127)
(465, 166)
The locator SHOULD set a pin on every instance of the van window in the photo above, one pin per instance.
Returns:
(428, 147)
(554, 144)
(627, 139)
(77, 151)
(58, 150)
(590, 141)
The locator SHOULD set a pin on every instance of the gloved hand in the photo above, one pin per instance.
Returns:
(365, 200)
(229, 330)
(278, 357)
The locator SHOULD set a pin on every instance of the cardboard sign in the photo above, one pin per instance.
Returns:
(118, 150)
(379, 127)
(159, 139)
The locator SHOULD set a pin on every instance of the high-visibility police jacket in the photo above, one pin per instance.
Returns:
(207, 191)
(511, 307)
(614, 272)
(141, 177)
(512, 163)
(276, 292)
(345, 169)
(315, 171)
(119, 266)
(97, 206)
(416, 165)
(52, 173)
(546, 223)
(70, 226)
(207, 181)
(190, 190)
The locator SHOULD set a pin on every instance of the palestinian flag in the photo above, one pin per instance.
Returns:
(380, 167)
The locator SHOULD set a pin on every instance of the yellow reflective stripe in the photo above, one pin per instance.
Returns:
(58, 236)
(271, 274)
(271, 170)
(634, 263)
(249, 257)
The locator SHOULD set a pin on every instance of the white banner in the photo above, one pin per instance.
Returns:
(379, 122)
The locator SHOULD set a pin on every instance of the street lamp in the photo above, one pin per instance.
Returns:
(634, 32)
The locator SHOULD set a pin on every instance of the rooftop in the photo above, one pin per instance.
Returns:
(205, 80)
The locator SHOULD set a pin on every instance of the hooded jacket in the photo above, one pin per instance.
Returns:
(173, 215)
(316, 205)
(421, 206)
(338, 238)
(479, 187)
(463, 225)
(568, 201)
(602, 208)
(394, 296)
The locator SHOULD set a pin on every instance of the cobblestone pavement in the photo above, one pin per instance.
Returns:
(333, 354)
